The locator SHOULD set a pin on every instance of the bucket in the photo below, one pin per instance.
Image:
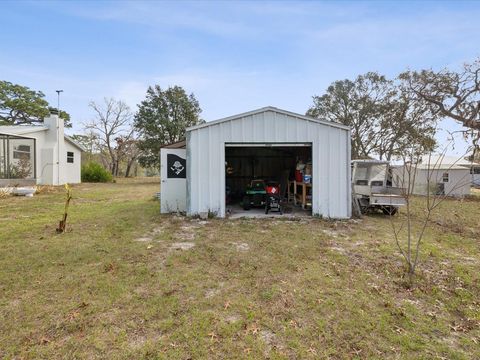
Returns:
(298, 176)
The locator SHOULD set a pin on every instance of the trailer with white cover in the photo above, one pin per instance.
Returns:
(372, 188)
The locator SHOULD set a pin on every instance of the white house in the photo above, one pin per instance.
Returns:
(39, 154)
(437, 175)
(220, 157)
(457, 161)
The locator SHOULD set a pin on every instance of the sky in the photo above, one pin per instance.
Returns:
(234, 56)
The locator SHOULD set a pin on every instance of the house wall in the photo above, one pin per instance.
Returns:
(330, 159)
(71, 171)
(476, 179)
(476, 176)
(51, 153)
(459, 180)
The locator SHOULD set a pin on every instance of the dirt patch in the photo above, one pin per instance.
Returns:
(211, 293)
(242, 247)
(137, 341)
(185, 235)
(144, 239)
(182, 246)
(232, 318)
(157, 231)
(330, 233)
(358, 243)
(269, 338)
(187, 231)
(339, 250)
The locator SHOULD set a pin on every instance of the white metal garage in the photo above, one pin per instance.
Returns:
(268, 127)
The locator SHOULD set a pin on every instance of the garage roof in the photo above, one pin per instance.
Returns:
(182, 144)
(274, 109)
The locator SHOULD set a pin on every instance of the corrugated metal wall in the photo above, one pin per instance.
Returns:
(330, 159)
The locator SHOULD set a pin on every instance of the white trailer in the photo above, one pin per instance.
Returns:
(372, 190)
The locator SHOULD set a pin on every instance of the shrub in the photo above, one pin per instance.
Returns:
(94, 172)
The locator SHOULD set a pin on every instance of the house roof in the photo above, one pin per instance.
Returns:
(22, 129)
(442, 166)
(274, 109)
(16, 135)
(73, 142)
(27, 129)
(447, 160)
(370, 161)
(176, 145)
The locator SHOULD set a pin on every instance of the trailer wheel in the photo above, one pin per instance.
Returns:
(389, 210)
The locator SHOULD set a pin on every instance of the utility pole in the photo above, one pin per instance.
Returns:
(58, 136)
(58, 100)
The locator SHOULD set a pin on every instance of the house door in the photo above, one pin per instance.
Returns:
(173, 180)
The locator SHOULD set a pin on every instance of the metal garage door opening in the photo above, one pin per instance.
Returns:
(271, 177)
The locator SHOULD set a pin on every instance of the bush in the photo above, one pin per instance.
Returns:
(94, 172)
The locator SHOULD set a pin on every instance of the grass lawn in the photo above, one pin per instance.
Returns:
(127, 282)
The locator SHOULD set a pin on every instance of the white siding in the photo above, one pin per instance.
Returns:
(330, 159)
(459, 180)
(71, 171)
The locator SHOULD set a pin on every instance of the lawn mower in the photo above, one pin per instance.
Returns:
(273, 197)
(255, 195)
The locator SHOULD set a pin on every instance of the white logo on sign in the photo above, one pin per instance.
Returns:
(177, 167)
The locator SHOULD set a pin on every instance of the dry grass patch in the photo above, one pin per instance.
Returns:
(118, 285)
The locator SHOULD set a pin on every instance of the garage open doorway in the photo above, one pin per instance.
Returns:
(266, 177)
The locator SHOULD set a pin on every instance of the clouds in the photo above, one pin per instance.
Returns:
(234, 56)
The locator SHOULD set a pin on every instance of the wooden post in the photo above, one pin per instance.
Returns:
(63, 223)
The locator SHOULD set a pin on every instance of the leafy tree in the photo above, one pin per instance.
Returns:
(21, 105)
(452, 94)
(89, 141)
(406, 124)
(384, 118)
(162, 119)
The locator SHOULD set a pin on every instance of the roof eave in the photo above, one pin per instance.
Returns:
(269, 108)
(73, 142)
(28, 130)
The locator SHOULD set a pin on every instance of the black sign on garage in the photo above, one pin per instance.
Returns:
(177, 167)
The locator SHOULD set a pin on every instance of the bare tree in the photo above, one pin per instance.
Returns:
(113, 120)
(132, 153)
(127, 151)
(409, 240)
(453, 94)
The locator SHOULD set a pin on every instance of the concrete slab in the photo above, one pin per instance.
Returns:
(236, 211)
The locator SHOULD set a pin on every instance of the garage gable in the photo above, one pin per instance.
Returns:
(274, 112)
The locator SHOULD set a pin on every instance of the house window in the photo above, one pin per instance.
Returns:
(69, 157)
(445, 177)
(475, 170)
(21, 152)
